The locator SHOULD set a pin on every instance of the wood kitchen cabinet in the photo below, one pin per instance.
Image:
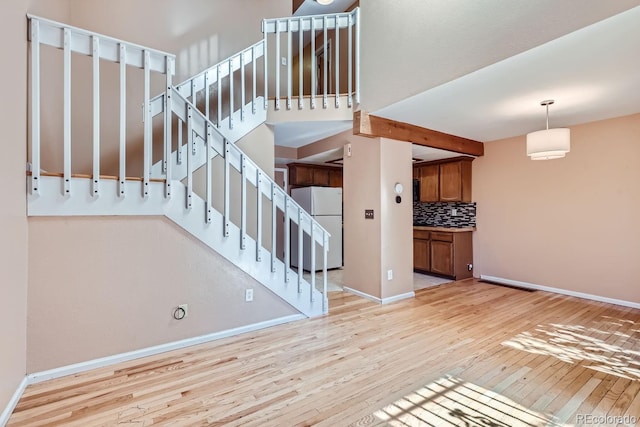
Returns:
(429, 186)
(446, 180)
(444, 253)
(421, 250)
(304, 175)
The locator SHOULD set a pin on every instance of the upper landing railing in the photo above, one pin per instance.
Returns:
(97, 46)
(321, 55)
(320, 36)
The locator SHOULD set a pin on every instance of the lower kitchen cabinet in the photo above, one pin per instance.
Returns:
(441, 258)
(444, 253)
(421, 257)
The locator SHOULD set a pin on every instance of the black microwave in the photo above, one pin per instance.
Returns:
(416, 190)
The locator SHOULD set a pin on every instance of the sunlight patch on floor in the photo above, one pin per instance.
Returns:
(578, 344)
(454, 402)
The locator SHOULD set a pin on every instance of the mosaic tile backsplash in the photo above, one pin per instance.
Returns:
(439, 214)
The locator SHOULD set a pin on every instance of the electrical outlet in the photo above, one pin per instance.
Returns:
(454, 212)
(181, 311)
(283, 60)
(248, 295)
(389, 274)
(469, 267)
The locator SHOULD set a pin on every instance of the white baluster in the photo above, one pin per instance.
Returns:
(95, 53)
(123, 120)
(167, 127)
(67, 112)
(190, 138)
(300, 65)
(147, 126)
(259, 215)
(274, 212)
(289, 60)
(350, 62)
(300, 250)
(35, 106)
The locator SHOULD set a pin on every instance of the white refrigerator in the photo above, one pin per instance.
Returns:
(324, 204)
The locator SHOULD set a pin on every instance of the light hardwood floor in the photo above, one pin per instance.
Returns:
(465, 353)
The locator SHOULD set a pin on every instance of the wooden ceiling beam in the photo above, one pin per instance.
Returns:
(365, 124)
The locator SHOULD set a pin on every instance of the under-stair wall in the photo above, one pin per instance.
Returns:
(100, 286)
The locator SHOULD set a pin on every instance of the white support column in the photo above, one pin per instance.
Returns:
(274, 230)
(190, 138)
(326, 55)
(357, 55)
(95, 52)
(325, 248)
(123, 121)
(313, 261)
(219, 91)
(206, 95)
(193, 148)
(289, 60)
(266, 67)
(231, 108)
(179, 150)
(242, 87)
(67, 112)
(35, 106)
(167, 128)
(253, 80)
(259, 216)
(350, 62)
(287, 240)
(277, 65)
(227, 167)
(337, 73)
(300, 65)
(300, 250)
(208, 200)
(314, 66)
(147, 125)
(243, 201)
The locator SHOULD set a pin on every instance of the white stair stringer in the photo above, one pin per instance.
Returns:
(240, 128)
(51, 202)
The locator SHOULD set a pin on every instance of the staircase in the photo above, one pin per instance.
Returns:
(200, 127)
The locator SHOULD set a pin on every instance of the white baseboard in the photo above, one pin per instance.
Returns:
(527, 285)
(6, 413)
(38, 377)
(387, 300)
(399, 297)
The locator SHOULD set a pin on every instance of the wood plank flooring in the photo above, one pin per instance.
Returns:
(466, 353)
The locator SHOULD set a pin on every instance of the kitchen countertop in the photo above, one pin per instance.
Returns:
(445, 229)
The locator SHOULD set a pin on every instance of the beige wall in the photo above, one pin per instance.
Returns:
(397, 218)
(371, 247)
(569, 223)
(362, 238)
(105, 285)
(13, 221)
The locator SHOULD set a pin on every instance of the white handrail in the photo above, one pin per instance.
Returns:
(213, 76)
(182, 107)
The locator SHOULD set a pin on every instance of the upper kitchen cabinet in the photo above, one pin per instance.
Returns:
(429, 183)
(445, 180)
(304, 175)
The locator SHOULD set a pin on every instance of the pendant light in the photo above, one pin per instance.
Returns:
(548, 144)
(324, 2)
